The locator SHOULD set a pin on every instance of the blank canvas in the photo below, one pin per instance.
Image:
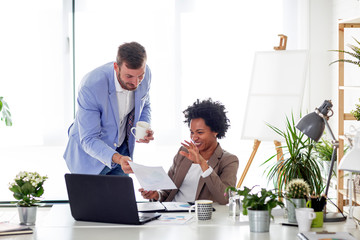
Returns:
(276, 90)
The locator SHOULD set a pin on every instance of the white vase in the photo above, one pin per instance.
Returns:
(27, 215)
(291, 206)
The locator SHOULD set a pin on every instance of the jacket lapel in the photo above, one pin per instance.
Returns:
(213, 163)
(112, 96)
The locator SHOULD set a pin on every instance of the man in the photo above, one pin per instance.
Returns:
(112, 98)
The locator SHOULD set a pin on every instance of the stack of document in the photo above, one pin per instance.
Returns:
(163, 206)
(13, 229)
(325, 236)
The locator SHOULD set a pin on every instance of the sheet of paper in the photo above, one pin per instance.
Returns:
(172, 219)
(152, 178)
(176, 206)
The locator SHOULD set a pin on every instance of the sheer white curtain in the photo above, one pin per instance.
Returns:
(36, 82)
(196, 49)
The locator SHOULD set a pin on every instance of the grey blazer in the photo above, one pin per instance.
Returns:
(225, 166)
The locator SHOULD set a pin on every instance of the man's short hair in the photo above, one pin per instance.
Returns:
(132, 54)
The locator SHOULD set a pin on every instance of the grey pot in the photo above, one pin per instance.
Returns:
(299, 203)
(259, 220)
(27, 215)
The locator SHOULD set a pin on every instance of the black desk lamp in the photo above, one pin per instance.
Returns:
(313, 125)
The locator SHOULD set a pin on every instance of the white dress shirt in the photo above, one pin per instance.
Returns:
(188, 188)
(126, 103)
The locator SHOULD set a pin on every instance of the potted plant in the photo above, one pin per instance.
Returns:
(27, 188)
(324, 149)
(356, 112)
(5, 112)
(355, 54)
(258, 206)
(298, 160)
(297, 192)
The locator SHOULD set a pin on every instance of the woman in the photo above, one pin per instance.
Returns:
(201, 168)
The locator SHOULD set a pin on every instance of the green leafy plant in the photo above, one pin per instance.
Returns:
(356, 112)
(5, 112)
(355, 54)
(298, 159)
(297, 188)
(324, 150)
(261, 200)
(27, 188)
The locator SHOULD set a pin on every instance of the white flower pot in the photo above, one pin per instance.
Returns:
(27, 215)
(259, 220)
(299, 203)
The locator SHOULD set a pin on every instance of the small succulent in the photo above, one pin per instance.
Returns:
(297, 188)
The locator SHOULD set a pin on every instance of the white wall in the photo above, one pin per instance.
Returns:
(324, 15)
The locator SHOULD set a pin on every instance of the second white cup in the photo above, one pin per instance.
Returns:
(304, 217)
(140, 130)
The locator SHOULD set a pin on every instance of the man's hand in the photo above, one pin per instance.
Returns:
(149, 137)
(123, 161)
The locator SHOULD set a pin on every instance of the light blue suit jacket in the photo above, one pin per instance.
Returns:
(94, 135)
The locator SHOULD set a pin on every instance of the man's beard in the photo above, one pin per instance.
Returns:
(126, 86)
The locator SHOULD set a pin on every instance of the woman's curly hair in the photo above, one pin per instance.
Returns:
(213, 113)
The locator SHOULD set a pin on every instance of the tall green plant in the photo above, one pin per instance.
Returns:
(355, 54)
(297, 161)
(5, 114)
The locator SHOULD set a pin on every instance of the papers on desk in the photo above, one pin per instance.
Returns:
(152, 178)
(13, 229)
(325, 236)
(169, 219)
(163, 206)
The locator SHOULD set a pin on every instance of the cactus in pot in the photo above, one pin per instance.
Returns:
(297, 191)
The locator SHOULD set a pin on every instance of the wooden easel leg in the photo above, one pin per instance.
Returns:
(255, 147)
(279, 155)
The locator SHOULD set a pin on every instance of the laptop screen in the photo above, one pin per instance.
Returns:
(102, 198)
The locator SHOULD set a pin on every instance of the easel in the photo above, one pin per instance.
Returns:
(283, 41)
(279, 152)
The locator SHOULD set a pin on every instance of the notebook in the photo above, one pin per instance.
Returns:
(102, 198)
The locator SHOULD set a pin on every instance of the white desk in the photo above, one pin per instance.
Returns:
(57, 223)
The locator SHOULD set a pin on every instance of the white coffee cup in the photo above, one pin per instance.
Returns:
(304, 217)
(140, 130)
(203, 209)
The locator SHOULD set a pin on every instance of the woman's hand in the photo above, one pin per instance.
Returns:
(149, 194)
(193, 155)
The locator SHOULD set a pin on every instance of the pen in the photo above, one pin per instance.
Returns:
(289, 224)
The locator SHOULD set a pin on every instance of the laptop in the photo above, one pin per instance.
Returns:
(102, 198)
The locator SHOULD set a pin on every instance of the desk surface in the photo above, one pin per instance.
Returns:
(57, 223)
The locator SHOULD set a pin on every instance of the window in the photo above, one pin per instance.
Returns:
(196, 49)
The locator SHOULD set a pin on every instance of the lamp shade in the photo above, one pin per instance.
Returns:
(312, 125)
(351, 160)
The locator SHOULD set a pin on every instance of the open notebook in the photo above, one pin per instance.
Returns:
(163, 206)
